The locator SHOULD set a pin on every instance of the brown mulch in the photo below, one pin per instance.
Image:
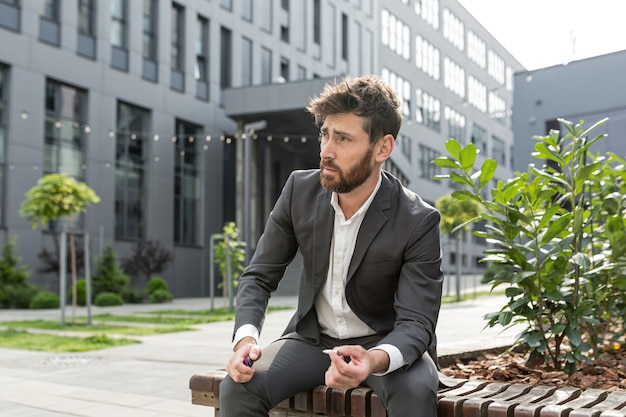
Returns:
(608, 372)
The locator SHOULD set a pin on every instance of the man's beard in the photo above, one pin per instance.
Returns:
(356, 176)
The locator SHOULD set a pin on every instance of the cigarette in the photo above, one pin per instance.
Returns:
(327, 351)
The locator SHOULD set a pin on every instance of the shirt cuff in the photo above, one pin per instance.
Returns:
(245, 331)
(396, 360)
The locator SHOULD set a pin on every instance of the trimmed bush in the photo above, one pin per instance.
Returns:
(133, 296)
(81, 292)
(106, 299)
(160, 296)
(20, 295)
(109, 276)
(156, 283)
(45, 299)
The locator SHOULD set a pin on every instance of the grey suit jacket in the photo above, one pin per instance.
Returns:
(394, 281)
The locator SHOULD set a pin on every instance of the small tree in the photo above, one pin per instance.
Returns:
(58, 196)
(230, 248)
(109, 277)
(149, 258)
(456, 217)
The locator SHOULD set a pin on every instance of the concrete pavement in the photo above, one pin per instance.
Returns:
(150, 379)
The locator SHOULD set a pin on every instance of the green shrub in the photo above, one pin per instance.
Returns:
(12, 274)
(133, 296)
(81, 292)
(156, 283)
(109, 276)
(160, 296)
(106, 299)
(45, 299)
(493, 272)
(560, 229)
(20, 296)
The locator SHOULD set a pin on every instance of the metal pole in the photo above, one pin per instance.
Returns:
(87, 277)
(247, 227)
(63, 272)
(229, 275)
(211, 272)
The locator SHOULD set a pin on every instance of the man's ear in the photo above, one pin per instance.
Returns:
(384, 147)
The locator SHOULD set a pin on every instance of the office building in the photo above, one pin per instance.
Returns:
(183, 115)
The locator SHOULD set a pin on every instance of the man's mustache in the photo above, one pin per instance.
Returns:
(328, 164)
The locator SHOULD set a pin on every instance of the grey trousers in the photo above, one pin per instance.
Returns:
(289, 366)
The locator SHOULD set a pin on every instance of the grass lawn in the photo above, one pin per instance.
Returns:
(17, 335)
(15, 339)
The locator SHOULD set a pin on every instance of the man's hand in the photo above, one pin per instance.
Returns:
(236, 367)
(363, 363)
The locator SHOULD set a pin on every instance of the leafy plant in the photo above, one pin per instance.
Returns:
(109, 276)
(81, 292)
(156, 283)
(160, 296)
(106, 299)
(158, 290)
(561, 229)
(45, 299)
(13, 275)
(148, 258)
(230, 248)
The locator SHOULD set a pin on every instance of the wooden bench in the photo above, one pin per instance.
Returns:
(468, 398)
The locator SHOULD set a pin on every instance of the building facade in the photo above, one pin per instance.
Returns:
(182, 115)
(589, 89)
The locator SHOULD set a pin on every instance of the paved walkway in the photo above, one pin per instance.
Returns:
(150, 379)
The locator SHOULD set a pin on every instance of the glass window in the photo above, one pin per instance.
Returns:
(317, 21)
(118, 23)
(86, 17)
(266, 66)
(479, 138)
(133, 125)
(429, 11)
(178, 37)
(453, 29)
(187, 183)
(246, 10)
(202, 50)
(266, 14)
(498, 150)
(150, 20)
(428, 170)
(402, 88)
(226, 58)
(427, 110)
(454, 77)
(3, 106)
(50, 9)
(456, 124)
(246, 61)
(427, 57)
(65, 139)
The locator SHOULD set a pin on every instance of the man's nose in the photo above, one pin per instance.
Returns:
(326, 150)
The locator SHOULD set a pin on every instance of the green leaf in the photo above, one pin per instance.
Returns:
(468, 156)
(454, 148)
(556, 228)
(487, 171)
(445, 162)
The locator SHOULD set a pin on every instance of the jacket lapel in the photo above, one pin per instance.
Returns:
(373, 221)
(322, 236)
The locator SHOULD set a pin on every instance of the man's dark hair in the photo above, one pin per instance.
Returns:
(368, 97)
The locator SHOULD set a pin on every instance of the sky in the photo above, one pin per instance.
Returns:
(543, 33)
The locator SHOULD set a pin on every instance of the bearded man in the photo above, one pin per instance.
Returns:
(371, 282)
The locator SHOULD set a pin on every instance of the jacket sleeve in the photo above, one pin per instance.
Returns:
(418, 297)
(275, 251)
